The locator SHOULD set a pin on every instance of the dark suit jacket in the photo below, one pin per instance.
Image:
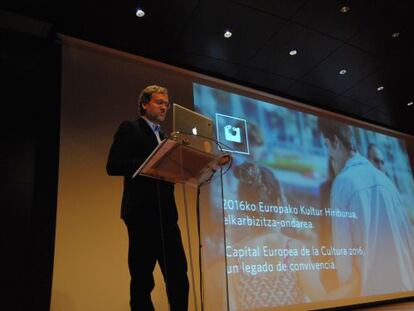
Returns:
(143, 198)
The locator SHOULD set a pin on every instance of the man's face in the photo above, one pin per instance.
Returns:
(156, 109)
(337, 153)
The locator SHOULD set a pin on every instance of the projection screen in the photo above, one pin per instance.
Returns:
(301, 227)
(317, 209)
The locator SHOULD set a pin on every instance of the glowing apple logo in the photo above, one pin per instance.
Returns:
(194, 130)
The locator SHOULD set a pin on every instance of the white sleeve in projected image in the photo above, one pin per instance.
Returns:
(381, 229)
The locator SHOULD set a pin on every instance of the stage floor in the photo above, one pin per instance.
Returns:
(399, 306)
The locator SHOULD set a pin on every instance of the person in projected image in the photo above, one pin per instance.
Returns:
(376, 157)
(381, 227)
(255, 177)
(277, 288)
(148, 207)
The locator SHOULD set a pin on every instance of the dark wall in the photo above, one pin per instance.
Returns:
(29, 129)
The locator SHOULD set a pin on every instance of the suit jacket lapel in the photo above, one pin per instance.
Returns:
(147, 132)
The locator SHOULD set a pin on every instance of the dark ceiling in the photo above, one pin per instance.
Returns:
(189, 34)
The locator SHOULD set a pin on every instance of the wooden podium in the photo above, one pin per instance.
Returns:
(184, 158)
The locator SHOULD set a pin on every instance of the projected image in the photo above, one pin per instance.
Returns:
(313, 209)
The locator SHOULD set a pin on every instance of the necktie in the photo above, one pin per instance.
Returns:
(156, 129)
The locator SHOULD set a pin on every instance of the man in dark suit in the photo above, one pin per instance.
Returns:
(148, 207)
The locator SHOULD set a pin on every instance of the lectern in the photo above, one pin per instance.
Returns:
(190, 160)
(184, 158)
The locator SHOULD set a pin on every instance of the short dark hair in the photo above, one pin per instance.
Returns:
(146, 94)
(330, 129)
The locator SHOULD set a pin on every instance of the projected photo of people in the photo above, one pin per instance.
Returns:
(266, 283)
(312, 210)
(380, 227)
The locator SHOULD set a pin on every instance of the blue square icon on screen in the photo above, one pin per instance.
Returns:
(232, 133)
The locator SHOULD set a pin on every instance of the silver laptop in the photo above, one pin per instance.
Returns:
(187, 121)
(193, 124)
